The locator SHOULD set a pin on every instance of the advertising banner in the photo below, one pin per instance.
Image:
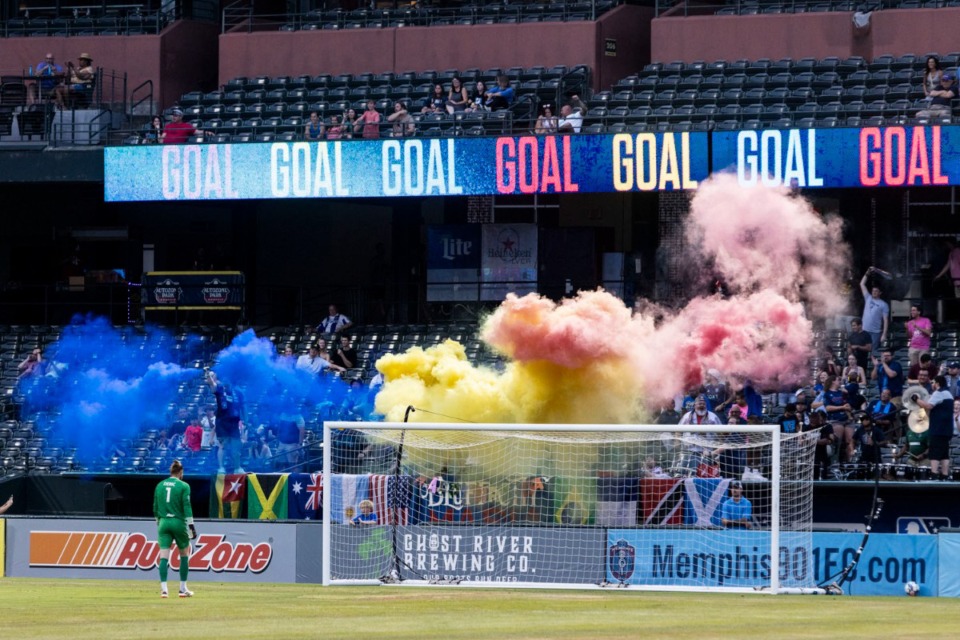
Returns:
(509, 260)
(482, 554)
(843, 157)
(949, 548)
(407, 167)
(453, 262)
(742, 559)
(127, 549)
(193, 290)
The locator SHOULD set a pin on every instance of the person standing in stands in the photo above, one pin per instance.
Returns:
(368, 123)
(230, 417)
(939, 407)
(920, 330)
(876, 312)
(931, 76)
(952, 267)
(49, 71)
(177, 131)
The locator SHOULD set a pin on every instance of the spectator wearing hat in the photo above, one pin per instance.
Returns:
(80, 80)
(940, 98)
(177, 131)
(952, 378)
(736, 512)
(939, 406)
(868, 439)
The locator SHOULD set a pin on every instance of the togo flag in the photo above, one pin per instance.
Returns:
(702, 498)
(267, 496)
(228, 495)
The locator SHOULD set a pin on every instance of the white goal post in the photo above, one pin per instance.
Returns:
(657, 507)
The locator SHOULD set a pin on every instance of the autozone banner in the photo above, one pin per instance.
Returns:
(235, 552)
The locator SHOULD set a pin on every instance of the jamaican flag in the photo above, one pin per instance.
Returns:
(267, 496)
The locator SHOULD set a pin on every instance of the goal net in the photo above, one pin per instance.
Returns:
(640, 506)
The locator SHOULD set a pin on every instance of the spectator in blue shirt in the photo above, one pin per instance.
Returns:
(889, 375)
(501, 96)
(736, 511)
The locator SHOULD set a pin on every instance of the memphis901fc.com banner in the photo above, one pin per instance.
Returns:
(246, 551)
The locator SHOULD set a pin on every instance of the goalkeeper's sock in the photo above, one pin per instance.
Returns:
(184, 571)
(164, 565)
(183, 586)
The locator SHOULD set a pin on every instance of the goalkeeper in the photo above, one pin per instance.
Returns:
(171, 508)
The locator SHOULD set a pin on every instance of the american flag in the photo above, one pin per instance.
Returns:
(391, 497)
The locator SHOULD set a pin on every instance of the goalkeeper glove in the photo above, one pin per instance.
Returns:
(193, 531)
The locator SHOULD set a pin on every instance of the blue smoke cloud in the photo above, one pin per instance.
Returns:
(101, 387)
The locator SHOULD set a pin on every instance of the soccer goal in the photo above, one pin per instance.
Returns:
(638, 506)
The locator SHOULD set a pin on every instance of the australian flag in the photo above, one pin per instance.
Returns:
(305, 496)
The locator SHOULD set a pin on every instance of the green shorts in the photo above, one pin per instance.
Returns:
(173, 529)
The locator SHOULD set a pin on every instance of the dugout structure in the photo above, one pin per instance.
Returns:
(568, 506)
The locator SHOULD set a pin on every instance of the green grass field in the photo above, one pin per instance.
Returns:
(106, 610)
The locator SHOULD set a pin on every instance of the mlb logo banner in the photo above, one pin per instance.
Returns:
(702, 498)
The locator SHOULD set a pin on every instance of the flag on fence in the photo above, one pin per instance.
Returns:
(617, 501)
(392, 496)
(348, 490)
(267, 496)
(662, 501)
(305, 496)
(702, 499)
(228, 495)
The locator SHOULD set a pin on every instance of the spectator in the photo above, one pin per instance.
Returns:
(257, 447)
(826, 445)
(924, 364)
(80, 80)
(368, 123)
(344, 355)
(859, 343)
(179, 426)
(49, 72)
(291, 430)
(314, 129)
(367, 516)
(457, 96)
(736, 511)
(889, 376)
(925, 380)
(312, 362)
(335, 130)
(837, 407)
(829, 362)
(193, 436)
(403, 123)
(155, 132)
(288, 355)
(953, 266)
(853, 372)
(546, 122)
(335, 322)
(571, 116)
(230, 418)
(376, 381)
(956, 416)
(740, 402)
(916, 446)
(939, 407)
(931, 76)
(716, 391)
(349, 123)
(790, 421)
(876, 312)
(437, 102)
(208, 422)
(952, 376)
(940, 99)
(884, 414)
(32, 365)
(699, 415)
(478, 101)
(501, 96)
(177, 131)
(868, 439)
(920, 330)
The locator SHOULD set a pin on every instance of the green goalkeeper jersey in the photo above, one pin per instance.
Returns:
(172, 500)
